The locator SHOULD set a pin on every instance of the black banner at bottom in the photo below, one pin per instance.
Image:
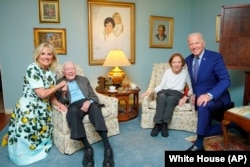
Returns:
(203, 158)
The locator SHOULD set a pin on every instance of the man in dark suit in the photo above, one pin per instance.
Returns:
(210, 83)
(161, 36)
(82, 100)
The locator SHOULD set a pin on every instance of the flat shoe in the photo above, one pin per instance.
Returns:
(155, 131)
(164, 130)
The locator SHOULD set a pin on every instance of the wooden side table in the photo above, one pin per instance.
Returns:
(126, 110)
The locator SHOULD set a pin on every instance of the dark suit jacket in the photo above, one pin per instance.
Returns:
(158, 37)
(85, 87)
(212, 76)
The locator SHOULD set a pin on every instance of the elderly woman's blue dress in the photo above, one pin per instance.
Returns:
(30, 127)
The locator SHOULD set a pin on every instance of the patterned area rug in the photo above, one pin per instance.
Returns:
(216, 143)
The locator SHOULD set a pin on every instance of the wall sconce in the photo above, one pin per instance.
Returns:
(116, 58)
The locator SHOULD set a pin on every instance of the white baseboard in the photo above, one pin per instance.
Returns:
(8, 111)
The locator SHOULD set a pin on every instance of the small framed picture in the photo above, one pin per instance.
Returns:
(217, 28)
(55, 37)
(49, 11)
(161, 32)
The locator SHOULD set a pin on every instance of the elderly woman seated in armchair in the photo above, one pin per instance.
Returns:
(170, 93)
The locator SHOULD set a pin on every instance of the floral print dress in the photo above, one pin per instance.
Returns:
(30, 127)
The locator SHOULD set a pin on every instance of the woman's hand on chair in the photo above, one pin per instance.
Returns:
(182, 101)
(148, 93)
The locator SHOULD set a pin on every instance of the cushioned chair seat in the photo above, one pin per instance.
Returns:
(243, 111)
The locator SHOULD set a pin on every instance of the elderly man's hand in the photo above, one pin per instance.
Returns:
(85, 106)
(203, 99)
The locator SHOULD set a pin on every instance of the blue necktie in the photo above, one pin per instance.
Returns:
(196, 68)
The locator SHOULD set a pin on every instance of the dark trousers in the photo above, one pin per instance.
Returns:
(166, 102)
(75, 116)
(205, 116)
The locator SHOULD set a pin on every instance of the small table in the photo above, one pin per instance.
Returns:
(126, 110)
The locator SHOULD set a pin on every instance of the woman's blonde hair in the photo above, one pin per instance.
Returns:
(117, 14)
(38, 51)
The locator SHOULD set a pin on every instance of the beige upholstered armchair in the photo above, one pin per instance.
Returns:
(61, 132)
(184, 118)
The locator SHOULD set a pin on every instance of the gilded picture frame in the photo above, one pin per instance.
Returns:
(105, 32)
(53, 36)
(49, 11)
(217, 28)
(161, 32)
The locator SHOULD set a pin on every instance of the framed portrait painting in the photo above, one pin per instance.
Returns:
(111, 26)
(53, 36)
(161, 32)
(49, 11)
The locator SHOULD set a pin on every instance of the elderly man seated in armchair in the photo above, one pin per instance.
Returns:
(81, 100)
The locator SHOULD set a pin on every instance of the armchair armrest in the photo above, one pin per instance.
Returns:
(145, 102)
(59, 120)
(57, 112)
(54, 107)
(110, 102)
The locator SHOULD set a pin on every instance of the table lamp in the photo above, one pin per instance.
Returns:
(116, 58)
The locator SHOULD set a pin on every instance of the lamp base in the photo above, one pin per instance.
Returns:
(117, 75)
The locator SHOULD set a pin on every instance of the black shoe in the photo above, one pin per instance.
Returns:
(194, 148)
(108, 158)
(164, 130)
(88, 158)
(156, 130)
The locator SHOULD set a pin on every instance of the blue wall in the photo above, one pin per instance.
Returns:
(19, 17)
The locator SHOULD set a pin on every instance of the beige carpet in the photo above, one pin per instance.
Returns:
(216, 143)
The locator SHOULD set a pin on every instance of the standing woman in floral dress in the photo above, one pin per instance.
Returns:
(30, 127)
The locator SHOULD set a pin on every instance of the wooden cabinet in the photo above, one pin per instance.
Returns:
(235, 41)
(246, 99)
(235, 36)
